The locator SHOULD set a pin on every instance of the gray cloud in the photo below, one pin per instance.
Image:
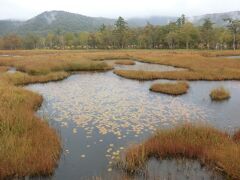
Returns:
(24, 9)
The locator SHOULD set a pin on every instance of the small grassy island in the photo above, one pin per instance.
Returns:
(210, 146)
(177, 88)
(219, 94)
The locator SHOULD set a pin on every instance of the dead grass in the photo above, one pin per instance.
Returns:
(177, 88)
(3, 69)
(203, 75)
(28, 145)
(125, 62)
(208, 145)
(219, 94)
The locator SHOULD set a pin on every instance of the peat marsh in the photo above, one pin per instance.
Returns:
(89, 118)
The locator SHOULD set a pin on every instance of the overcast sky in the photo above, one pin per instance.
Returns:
(25, 9)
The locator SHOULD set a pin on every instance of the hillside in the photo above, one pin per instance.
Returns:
(54, 21)
(217, 18)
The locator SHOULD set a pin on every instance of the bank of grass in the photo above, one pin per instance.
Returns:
(219, 94)
(210, 146)
(125, 62)
(28, 145)
(203, 75)
(177, 88)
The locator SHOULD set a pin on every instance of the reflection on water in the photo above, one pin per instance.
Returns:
(233, 57)
(180, 169)
(100, 114)
(12, 70)
(144, 66)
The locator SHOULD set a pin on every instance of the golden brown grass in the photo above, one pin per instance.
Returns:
(203, 75)
(125, 62)
(208, 145)
(28, 146)
(3, 69)
(177, 88)
(219, 94)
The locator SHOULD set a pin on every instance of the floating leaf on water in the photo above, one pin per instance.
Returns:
(109, 169)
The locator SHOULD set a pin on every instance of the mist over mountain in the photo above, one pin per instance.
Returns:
(54, 21)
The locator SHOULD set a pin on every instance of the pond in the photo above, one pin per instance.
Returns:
(98, 115)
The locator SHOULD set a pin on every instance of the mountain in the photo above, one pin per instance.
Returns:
(154, 20)
(216, 18)
(7, 26)
(54, 21)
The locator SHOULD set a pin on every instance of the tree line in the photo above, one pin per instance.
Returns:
(175, 35)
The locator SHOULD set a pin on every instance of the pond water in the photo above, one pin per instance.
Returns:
(230, 57)
(98, 115)
(146, 67)
(12, 70)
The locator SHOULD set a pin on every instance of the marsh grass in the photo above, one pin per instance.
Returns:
(219, 94)
(204, 75)
(125, 62)
(28, 145)
(210, 146)
(177, 88)
(3, 69)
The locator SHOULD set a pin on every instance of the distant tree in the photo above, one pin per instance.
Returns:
(83, 39)
(188, 34)
(181, 20)
(1, 43)
(31, 41)
(207, 32)
(105, 37)
(12, 41)
(120, 32)
(234, 27)
(102, 28)
(50, 40)
(92, 40)
(69, 39)
(172, 39)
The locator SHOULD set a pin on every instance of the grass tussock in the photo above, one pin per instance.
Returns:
(177, 88)
(28, 145)
(125, 62)
(208, 145)
(219, 94)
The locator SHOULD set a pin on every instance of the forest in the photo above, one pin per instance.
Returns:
(175, 35)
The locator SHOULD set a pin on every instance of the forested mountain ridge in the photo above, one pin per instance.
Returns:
(54, 21)
(216, 18)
